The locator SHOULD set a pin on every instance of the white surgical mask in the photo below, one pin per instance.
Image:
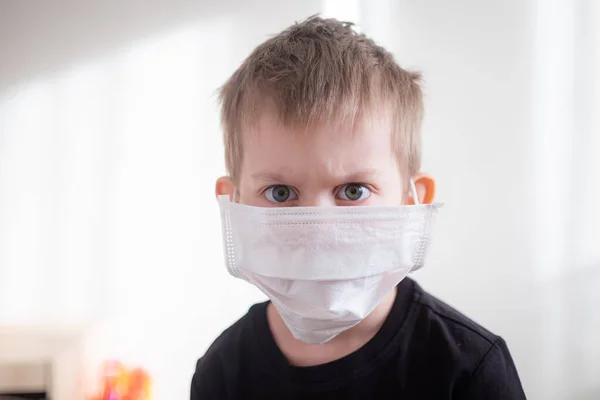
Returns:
(325, 268)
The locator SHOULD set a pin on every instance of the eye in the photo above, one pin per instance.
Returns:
(353, 192)
(280, 194)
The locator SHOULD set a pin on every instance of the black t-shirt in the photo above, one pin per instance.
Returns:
(424, 350)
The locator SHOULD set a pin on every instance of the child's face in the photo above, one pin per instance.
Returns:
(324, 167)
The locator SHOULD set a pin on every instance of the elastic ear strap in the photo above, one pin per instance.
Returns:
(413, 189)
(234, 195)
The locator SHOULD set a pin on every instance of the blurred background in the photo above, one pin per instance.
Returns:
(110, 145)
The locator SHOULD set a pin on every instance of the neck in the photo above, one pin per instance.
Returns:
(303, 354)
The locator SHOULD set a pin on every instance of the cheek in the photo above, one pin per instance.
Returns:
(393, 192)
(250, 195)
(250, 201)
(387, 199)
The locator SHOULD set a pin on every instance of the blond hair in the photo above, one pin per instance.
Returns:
(319, 71)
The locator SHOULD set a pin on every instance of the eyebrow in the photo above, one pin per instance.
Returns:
(361, 175)
(358, 176)
(268, 176)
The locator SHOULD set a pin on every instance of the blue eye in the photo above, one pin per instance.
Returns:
(280, 194)
(353, 192)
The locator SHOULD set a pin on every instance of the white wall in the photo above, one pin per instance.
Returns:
(110, 144)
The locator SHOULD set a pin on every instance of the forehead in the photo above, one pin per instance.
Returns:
(319, 152)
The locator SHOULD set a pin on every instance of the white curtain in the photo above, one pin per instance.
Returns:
(107, 208)
(102, 165)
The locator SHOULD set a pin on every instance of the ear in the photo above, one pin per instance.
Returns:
(224, 186)
(425, 185)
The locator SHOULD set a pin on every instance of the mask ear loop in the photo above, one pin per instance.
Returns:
(234, 199)
(413, 189)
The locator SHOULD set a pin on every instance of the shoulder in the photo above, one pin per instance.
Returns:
(450, 326)
(476, 358)
(221, 359)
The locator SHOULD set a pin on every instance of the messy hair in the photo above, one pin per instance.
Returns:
(322, 71)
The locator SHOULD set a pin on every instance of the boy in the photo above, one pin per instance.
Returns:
(326, 212)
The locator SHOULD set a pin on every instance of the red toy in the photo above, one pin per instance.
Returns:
(120, 383)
